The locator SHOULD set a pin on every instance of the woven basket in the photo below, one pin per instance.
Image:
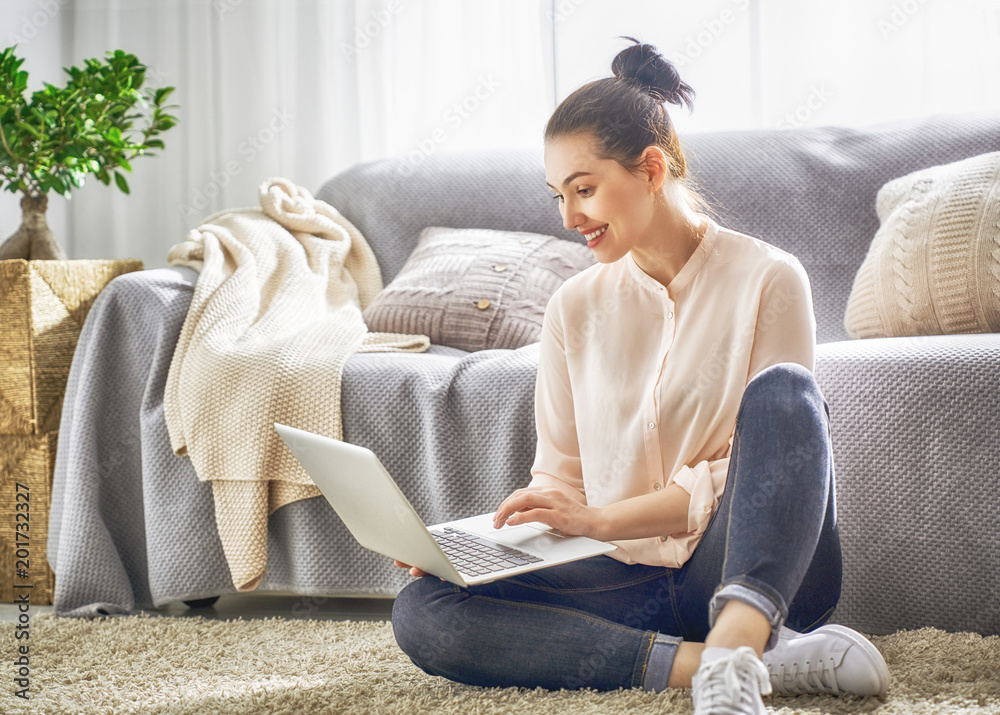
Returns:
(26, 463)
(42, 308)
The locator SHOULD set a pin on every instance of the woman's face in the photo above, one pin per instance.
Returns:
(606, 203)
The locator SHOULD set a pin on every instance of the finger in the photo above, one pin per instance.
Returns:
(519, 493)
(503, 515)
(528, 515)
(519, 503)
(505, 504)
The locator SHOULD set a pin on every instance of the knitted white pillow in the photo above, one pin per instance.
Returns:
(933, 267)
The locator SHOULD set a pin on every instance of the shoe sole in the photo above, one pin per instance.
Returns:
(865, 645)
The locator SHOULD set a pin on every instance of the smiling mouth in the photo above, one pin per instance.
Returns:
(599, 232)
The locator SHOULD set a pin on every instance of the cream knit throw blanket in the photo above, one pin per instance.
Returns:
(276, 313)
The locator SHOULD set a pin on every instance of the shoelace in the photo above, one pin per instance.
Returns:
(722, 690)
(815, 677)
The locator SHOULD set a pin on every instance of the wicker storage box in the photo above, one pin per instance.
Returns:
(26, 463)
(42, 308)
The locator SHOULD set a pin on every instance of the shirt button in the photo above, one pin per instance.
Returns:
(483, 304)
(670, 315)
(500, 267)
(652, 425)
(664, 538)
(656, 486)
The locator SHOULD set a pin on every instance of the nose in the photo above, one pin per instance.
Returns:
(571, 216)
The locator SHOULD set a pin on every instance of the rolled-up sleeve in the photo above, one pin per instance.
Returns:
(557, 454)
(705, 482)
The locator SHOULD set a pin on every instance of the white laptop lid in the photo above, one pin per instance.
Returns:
(381, 518)
(374, 509)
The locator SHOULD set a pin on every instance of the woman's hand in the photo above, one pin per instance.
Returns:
(414, 571)
(550, 506)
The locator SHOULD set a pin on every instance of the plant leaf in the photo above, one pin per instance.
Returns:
(122, 184)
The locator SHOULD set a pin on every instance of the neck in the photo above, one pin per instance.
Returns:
(675, 233)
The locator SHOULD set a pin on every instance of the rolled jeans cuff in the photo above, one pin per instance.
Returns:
(660, 662)
(752, 597)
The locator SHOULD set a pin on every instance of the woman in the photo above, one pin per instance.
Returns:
(678, 418)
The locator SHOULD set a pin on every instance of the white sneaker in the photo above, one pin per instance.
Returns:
(830, 659)
(730, 682)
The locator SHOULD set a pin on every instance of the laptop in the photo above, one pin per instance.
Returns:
(465, 551)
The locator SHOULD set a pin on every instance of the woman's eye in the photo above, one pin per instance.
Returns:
(557, 197)
(585, 192)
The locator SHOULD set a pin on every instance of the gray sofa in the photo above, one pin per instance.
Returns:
(915, 420)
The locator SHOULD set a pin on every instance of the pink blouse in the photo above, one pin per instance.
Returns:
(639, 384)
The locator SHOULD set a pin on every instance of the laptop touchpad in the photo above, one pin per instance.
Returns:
(528, 538)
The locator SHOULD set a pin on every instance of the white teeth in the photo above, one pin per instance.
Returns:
(595, 234)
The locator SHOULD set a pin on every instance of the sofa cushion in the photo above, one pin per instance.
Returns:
(933, 267)
(476, 289)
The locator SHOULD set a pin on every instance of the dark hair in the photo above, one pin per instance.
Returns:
(625, 114)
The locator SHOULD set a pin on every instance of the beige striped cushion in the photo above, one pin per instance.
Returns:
(476, 289)
(933, 267)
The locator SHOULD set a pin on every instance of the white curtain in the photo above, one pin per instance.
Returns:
(301, 90)
(758, 64)
(306, 88)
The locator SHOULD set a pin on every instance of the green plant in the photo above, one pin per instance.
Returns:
(90, 126)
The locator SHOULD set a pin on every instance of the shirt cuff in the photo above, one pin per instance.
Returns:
(704, 482)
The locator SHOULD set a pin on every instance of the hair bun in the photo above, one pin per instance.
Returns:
(657, 76)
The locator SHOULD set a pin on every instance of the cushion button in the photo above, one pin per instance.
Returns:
(483, 304)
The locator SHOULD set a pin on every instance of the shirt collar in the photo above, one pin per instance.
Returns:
(705, 248)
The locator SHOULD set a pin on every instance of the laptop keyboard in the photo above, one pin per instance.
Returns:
(474, 555)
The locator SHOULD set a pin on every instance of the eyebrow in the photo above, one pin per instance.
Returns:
(570, 178)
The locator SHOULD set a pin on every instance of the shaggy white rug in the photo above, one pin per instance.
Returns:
(196, 665)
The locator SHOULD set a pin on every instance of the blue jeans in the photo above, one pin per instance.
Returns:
(772, 543)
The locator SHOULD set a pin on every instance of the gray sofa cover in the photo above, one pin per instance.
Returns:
(914, 420)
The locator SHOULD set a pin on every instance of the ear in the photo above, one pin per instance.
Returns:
(654, 163)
